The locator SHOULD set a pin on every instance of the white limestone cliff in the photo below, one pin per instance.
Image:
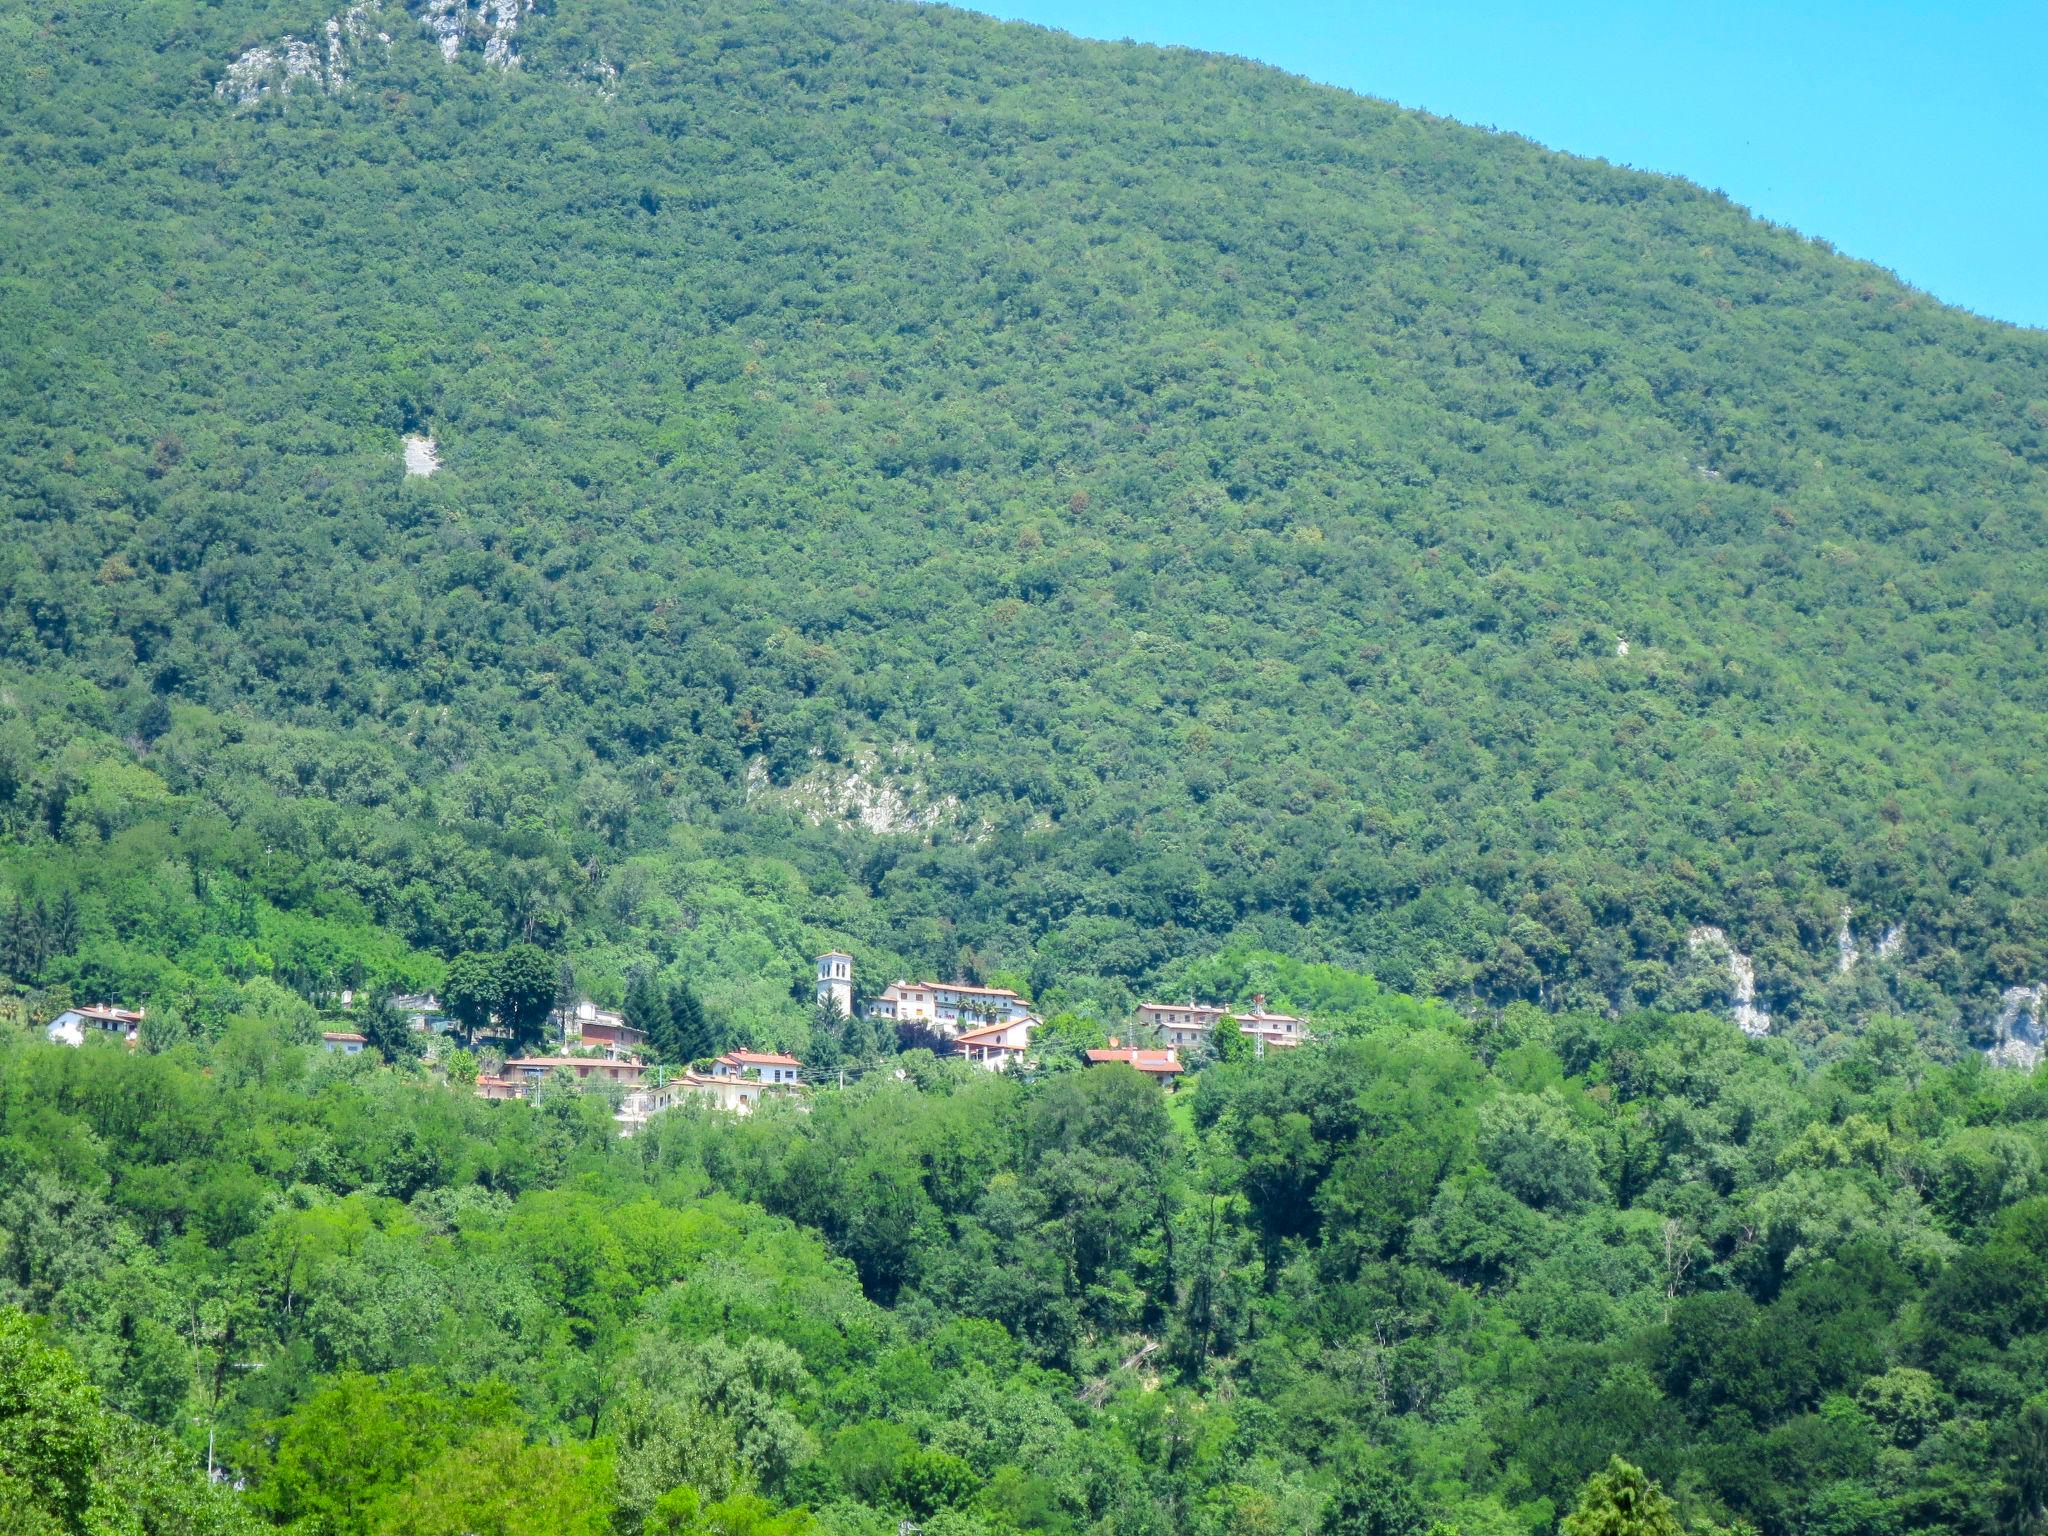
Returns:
(2016, 1037)
(1749, 1018)
(488, 24)
(292, 65)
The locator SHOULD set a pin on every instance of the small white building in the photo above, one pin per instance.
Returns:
(73, 1025)
(644, 1103)
(996, 1047)
(342, 1042)
(835, 981)
(1272, 1031)
(770, 1067)
(421, 1012)
(736, 1084)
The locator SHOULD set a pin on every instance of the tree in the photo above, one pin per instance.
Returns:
(496, 1485)
(1228, 1043)
(388, 1032)
(155, 721)
(71, 1467)
(690, 1034)
(52, 1428)
(828, 1036)
(356, 1441)
(1371, 1501)
(17, 943)
(2022, 1506)
(514, 989)
(682, 1512)
(647, 1005)
(1621, 1501)
(526, 991)
(461, 1067)
(470, 992)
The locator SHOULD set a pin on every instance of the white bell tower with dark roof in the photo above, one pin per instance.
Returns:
(835, 981)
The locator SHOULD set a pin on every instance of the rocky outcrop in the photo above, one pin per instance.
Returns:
(1742, 1007)
(293, 65)
(884, 793)
(1888, 947)
(484, 24)
(421, 457)
(2016, 1038)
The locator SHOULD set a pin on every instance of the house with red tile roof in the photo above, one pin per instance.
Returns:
(1162, 1066)
(591, 1028)
(584, 1069)
(769, 1067)
(996, 1047)
(1187, 1025)
(947, 1007)
(73, 1025)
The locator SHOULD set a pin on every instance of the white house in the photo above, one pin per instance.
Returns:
(590, 1027)
(767, 1067)
(947, 1007)
(342, 1042)
(644, 1103)
(1186, 1025)
(1272, 1031)
(737, 1083)
(72, 1025)
(1181, 1025)
(996, 1047)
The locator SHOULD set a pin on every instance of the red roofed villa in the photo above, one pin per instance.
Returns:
(759, 1066)
(996, 1047)
(1164, 1066)
(72, 1025)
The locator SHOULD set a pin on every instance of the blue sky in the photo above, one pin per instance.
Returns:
(1911, 135)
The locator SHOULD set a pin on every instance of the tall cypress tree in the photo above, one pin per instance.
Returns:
(647, 1008)
(66, 926)
(14, 948)
(690, 1031)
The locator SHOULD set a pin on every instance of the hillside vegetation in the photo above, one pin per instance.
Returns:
(1174, 504)
(1418, 1279)
(615, 499)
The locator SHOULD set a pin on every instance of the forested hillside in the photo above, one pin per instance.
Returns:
(1008, 504)
(1419, 1279)
(613, 499)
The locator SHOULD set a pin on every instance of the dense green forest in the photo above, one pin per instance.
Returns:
(1093, 519)
(1424, 1276)
(1177, 505)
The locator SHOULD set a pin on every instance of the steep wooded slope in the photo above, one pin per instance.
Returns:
(1207, 504)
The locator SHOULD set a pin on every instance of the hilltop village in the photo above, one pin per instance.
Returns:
(991, 1028)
